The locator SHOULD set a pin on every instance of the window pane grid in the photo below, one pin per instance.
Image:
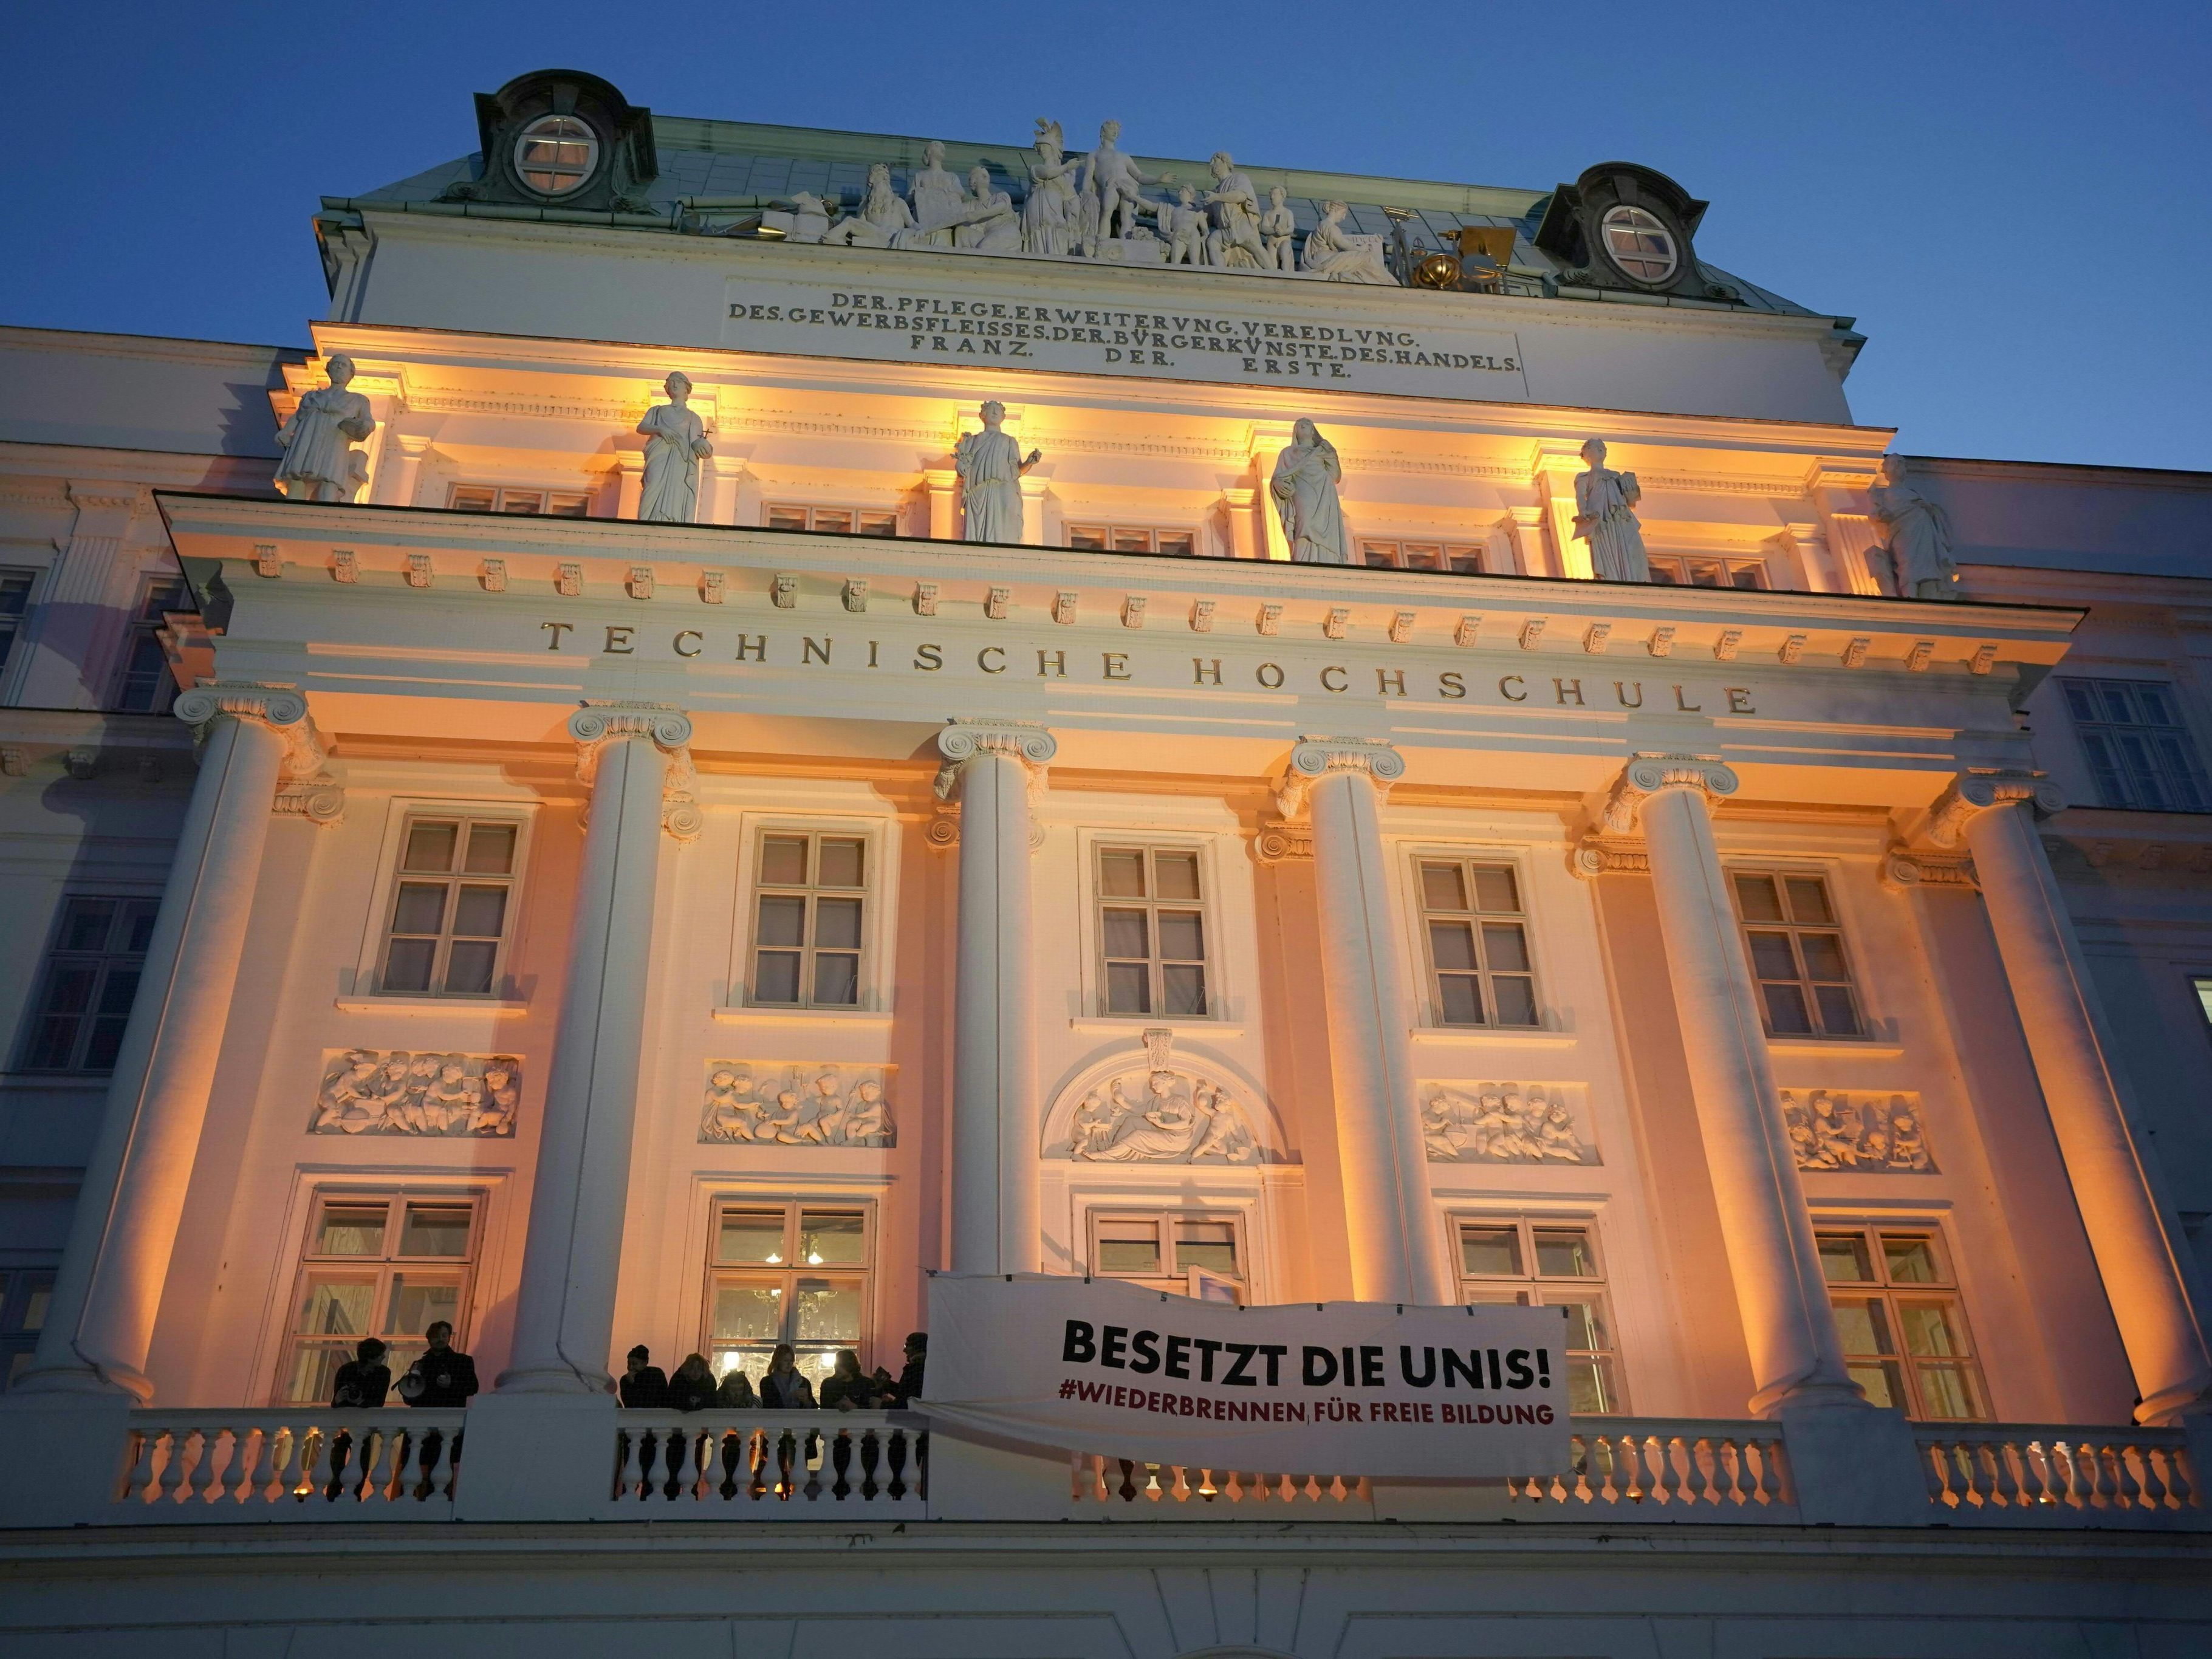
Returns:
(1130, 538)
(15, 603)
(91, 979)
(1903, 1329)
(808, 920)
(2139, 752)
(786, 1273)
(1151, 932)
(1688, 570)
(380, 1264)
(834, 520)
(492, 498)
(1465, 559)
(1531, 1263)
(145, 685)
(1796, 950)
(452, 897)
(1476, 935)
(1159, 1247)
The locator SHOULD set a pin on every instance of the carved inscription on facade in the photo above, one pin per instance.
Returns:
(787, 1104)
(1503, 1123)
(376, 1092)
(1835, 1129)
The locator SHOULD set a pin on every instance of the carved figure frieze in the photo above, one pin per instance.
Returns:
(1840, 1129)
(790, 1104)
(398, 1091)
(1502, 1123)
(1153, 1108)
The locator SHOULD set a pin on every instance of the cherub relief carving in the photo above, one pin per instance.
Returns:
(1501, 1123)
(797, 1105)
(397, 1092)
(1832, 1129)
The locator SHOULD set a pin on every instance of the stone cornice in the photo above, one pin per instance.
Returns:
(1647, 776)
(1975, 792)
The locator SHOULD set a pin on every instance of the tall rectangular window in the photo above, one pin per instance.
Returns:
(1797, 949)
(1549, 1264)
(91, 977)
(1151, 931)
(14, 604)
(1176, 1250)
(146, 686)
(2139, 751)
(836, 521)
(809, 912)
(387, 1265)
(1477, 940)
(786, 1273)
(1905, 1333)
(450, 904)
(26, 1293)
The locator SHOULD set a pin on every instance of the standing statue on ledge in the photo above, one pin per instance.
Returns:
(1113, 178)
(1048, 211)
(675, 444)
(990, 465)
(1235, 242)
(1919, 537)
(319, 463)
(1603, 499)
(1278, 225)
(1305, 489)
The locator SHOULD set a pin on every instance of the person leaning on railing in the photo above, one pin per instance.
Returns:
(362, 1381)
(895, 1394)
(849, 1389)
(785, 1387)
(692, 1388)
(643, 1385)
(443, 1375)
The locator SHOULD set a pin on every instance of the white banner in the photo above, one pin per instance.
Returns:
(1327, 1388)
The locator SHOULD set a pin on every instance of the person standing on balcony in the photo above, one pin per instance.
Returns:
(847, 1387)
(443, 1375)
(362, 1381)
(643, 1386)
(897, 1394)
(736, 1394)
(692, 1388)
(785, 1388)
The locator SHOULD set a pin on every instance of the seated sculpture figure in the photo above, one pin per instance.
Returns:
(1345, 256)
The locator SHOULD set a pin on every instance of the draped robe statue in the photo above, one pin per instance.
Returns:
(675, 444)
(1048, 211)
(934, 197)
(1603, 499)
(990, 465)
(320, 462)
(1919, 537)
(1305, 489)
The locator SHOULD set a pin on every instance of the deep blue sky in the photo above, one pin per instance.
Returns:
(2009, 198)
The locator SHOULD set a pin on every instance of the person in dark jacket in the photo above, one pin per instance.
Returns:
(736, 1394)
(785, 1388)
(847, 1387)
(643, 1386)
(443, 1375)
(363, 1380)
(692, 1388)
(908, 1388)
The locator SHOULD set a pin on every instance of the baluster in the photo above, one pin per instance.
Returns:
(316, 1465)
(2007, 1487)
(1705, 1479)
(217, 1446)
(2123, 1470)
(1234, 1489)
(138, 1485)
(706, 1464)
(2034, 1474)
(434, 1466)
(729, 1448)
(2101, 1463)
(1981, 1467)
(2065, 1479)
(2181, 1478)
(2153, 1489)
(173, 1472)
(238, 1471)
(1743, 1488)
(1773, 1472)
(2115, 1484)
(383, 1465)
(840, 1464)
(1639, 1477)
(625, 1465)
(291, 1447)
(1938, 1472)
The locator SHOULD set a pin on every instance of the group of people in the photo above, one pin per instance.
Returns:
(783, 1387)
(440, 1375)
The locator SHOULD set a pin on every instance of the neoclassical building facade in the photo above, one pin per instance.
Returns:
(763, 713)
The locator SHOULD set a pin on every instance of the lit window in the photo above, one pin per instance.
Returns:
(1904, 1331)
(25, 1296)
(1689, 571)
(1797, 949)
(2139, 751)
(1549, 1264)
(786, 1272)
(1477, 939)
(836, 521)
(1640, 243)
(1151, 931)
(450, 902)
(809, 909)
(546, 503)
(554, 155)
(146, 686)
(1456, 557)
(1129, 538)
(15, 601)
(92, 976)
(386, 1265)
(1185, 1252)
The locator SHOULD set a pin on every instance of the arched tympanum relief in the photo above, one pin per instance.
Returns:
(1154, 1106)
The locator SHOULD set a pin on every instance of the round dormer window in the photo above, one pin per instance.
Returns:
(556, 153)
(1640, 244)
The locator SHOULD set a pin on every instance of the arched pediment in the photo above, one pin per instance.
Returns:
(1150, 1104)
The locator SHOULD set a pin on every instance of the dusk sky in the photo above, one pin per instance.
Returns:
(2006, 198)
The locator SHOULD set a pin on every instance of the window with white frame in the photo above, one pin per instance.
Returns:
(26, 1293)
(383, 1264)
(1151, 931)
(91, 980)
(1186, 1252)
(1904, 1331)
(834, 520)
(810, 914)
(1467, 559)
(14, 604)
(786, 1272)
(555, 154)
(2139, 750)
(1476, 937)
(538, 504)
(1797, 948)
(452, 899)
(1531, 1262)
(145, 684)
(1130, 538)
(1694, 570)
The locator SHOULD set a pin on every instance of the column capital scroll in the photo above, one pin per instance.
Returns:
(1973, 793)
(1648, 775)
(1313, 758)
(304, 787)
(597, 724)
(963, 740)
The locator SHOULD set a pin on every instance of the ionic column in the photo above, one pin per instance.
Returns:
(1397, 1246)
(629, 755)
(1796, 1357)
(990, 766)
(101, 1321)
(2148, 1277)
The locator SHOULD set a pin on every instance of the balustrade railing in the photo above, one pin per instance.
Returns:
(732, 1461)
(1998, 1471)
(303, 1462)
(1093, 1479)
(1685, 1469)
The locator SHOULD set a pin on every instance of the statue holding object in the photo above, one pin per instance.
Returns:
(990, 464)
(675, 444)
(320, 462)
(1604, 517)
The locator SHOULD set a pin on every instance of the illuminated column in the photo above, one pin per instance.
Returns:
(1266, 441)
(633, 758)
(943, 485)
(1796, 1357)
(78, 615)
(1238, 503)
(1037, 483)
(399, 475)
(101, 1322)
(1396, 1239)
(1557, 461)
(2147, 1274)
(1527, 529)
(629, 465)
(724, 477)
(1839, 491)
(991, 765)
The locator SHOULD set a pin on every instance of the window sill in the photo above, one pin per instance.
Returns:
(497, 1007)
(1836, 1047)
(849, 1019)
(1496, 1036)
(1181, 1026)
